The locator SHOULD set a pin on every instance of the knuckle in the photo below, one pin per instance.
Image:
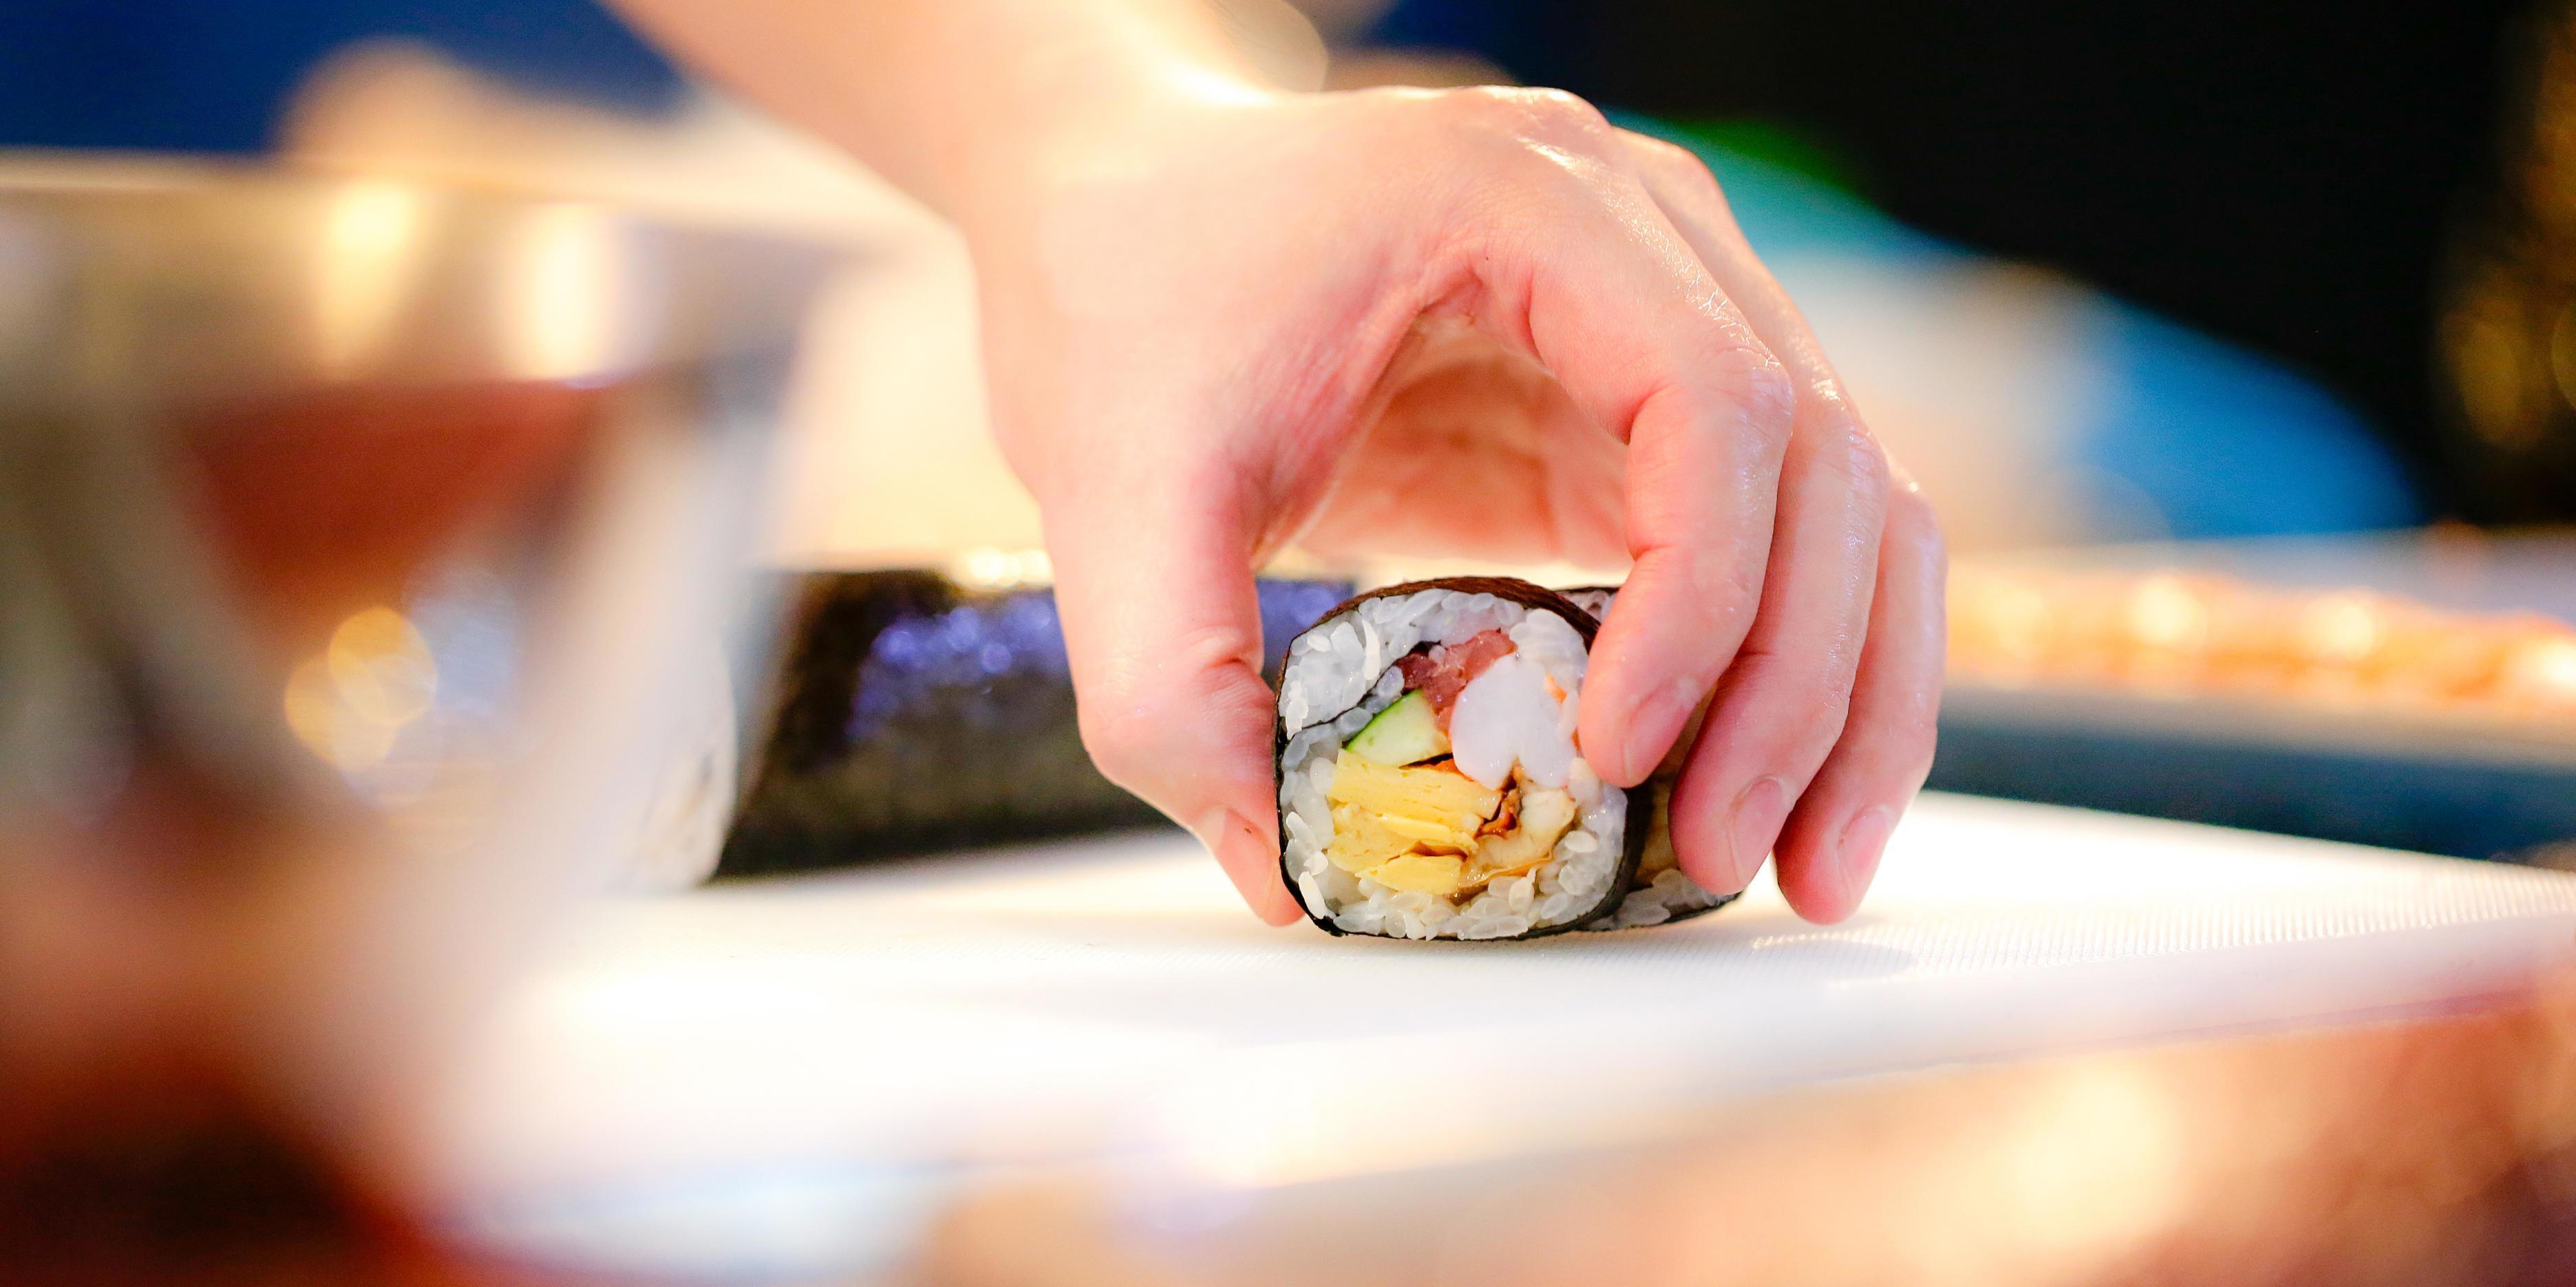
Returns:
(1897, 729)
(1736, 595)
(1663, 156)
(1486, 108)
(1817, 687)
(1690, 178)
(1845, 449)
(1829, 692)
(1752, 380)
(1914, 543)
(1913, 730)
(1712, 601)
(1555, 116)
(1547, 117)
(1912, 516)
(1722, 604)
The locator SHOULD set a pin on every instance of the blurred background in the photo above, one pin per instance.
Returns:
(2230, 292)
(2236, 346)
(2103, 274)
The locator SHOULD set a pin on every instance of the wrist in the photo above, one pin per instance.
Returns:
(1105, 121)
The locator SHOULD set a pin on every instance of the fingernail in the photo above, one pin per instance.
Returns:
(1756, 822)
(1864, 841)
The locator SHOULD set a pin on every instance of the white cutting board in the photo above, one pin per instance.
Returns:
(772, 1080)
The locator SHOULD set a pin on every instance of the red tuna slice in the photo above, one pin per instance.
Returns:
(1442, 673)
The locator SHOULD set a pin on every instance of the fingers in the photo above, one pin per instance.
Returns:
(1782, 705)
(1703, 490)
(1834, 838)
(1650, 346)
(1163, 630)
(1787, 701)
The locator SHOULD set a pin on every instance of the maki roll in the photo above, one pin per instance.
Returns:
(1429, 782)
(917, 714)
(1660, 893)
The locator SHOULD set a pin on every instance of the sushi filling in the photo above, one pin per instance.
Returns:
(1445, 798)
(1461, 781)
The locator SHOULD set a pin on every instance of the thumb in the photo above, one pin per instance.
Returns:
(1163, 629)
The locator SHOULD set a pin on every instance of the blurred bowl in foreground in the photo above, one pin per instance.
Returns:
(354, 537)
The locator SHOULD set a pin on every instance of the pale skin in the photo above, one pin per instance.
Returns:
(1220, 319)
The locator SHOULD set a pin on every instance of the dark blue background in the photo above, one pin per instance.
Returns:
(2285, 176)
(212, 75)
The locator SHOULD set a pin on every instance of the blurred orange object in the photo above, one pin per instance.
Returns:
(2194, 634)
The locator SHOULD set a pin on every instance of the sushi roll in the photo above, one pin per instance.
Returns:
(1660, 894)
(1430, 786)
(915, 715)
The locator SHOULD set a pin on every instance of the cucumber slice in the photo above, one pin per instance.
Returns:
(1404, 733)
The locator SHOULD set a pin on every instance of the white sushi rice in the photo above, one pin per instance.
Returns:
(1338, 677)
(1669, 893)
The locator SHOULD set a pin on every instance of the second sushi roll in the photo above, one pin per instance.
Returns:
(1430, 782)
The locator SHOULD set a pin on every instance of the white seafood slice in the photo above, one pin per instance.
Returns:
(1510, 715)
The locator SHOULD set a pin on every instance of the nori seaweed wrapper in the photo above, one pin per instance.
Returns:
(1512, 590)
(914, 715)
(1657, 789)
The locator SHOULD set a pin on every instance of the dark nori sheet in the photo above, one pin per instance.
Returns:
(914, 715)
(1527, 594)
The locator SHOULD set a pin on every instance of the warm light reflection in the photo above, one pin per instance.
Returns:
(2164, 612)
(1323, 1119)
(381, 667)
(349, 703)
(2020, 621)
(991, 569)
(364, 272)
(2543, 672)
(561, 318)
(327, 727)
(2091, 1164)
(2341, 629)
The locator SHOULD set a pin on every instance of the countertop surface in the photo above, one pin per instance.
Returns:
(775, 1079)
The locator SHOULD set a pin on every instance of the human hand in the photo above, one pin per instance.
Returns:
(1481, 323)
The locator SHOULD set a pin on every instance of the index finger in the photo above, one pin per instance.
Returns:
(1608, 297)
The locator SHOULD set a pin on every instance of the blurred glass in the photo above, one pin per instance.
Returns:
(359, 543)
